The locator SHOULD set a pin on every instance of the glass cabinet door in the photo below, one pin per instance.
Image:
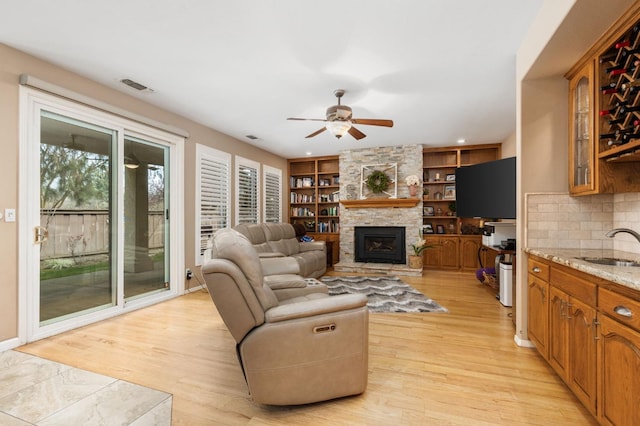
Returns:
(581, 146)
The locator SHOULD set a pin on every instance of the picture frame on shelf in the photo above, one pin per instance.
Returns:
(449, 192)
(427, 228)
(427, 211)
(450, 178)
(440, 229)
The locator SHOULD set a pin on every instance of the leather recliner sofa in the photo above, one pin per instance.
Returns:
(279, 240)
(296, 351)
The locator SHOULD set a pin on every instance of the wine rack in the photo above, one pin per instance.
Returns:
(618, 74)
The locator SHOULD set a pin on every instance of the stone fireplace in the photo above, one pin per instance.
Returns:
(407, 216)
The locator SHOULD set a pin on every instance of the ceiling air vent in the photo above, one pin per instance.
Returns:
(252, 137)
(136, 85)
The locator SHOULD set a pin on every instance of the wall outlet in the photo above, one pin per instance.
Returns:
(189, 274)
(9, 215)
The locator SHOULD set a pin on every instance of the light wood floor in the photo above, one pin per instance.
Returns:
(456, 368)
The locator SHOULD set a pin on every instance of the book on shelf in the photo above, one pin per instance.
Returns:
(300, 197)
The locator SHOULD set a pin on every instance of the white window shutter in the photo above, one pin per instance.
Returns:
(272, 194)
(247, 187)
(213, 195)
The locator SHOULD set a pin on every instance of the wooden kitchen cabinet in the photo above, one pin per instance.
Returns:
(581, 131)
(588, 329)
(572, 331)
(619, 359)
(604, 142)
(559, 331)
(538, 297)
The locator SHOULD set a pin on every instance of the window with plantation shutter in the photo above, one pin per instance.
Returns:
(272, 194)
(247, 191)
(213, 196)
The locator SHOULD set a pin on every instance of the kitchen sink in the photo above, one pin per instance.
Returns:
(610, 261)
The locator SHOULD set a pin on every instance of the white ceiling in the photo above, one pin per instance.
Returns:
(441, 70)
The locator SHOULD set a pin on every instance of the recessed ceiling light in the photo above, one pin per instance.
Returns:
(309, 153)
(461, 141)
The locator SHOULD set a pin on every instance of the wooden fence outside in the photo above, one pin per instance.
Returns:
(86, 232)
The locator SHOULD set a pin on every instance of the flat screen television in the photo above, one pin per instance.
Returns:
(487, 190)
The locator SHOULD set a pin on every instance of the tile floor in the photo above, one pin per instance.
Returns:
(35, 391)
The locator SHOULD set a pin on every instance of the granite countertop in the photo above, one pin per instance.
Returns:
(628, 276)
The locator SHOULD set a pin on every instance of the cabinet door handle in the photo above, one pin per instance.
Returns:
(569, 313)
(623, 311)
(535, 269)
(596, 323)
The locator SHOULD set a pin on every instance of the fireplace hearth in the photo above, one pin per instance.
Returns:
(380, 244)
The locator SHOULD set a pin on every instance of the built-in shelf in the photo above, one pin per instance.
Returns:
(376, 203)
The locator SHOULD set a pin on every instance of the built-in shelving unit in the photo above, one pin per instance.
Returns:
(314, 198)
(455, 240)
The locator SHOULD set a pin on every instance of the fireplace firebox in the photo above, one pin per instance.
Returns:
(380, 244)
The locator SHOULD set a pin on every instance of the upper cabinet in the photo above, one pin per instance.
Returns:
(581, 147)
(604, 112)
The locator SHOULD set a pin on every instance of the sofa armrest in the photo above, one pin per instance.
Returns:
(279, 266)
(313, 245)
(319, 306)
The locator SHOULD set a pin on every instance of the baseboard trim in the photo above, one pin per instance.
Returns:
(523, 342)
(12, 343)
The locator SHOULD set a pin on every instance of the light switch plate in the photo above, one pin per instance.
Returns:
(9, 215)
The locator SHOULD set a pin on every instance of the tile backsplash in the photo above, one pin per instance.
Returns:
(557, 220)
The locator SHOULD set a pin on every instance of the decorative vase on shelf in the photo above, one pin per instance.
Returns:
(415, 262)
(413, 190)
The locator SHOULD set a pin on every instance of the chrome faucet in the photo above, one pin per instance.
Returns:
(613, 232)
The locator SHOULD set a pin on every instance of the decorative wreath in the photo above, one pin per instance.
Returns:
(378, 181)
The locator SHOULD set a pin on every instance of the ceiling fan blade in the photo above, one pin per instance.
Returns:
(373, 122)
(356, 133)
(317, 132)
(306, 119)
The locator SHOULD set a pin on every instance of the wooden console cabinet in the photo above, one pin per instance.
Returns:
(588, 329)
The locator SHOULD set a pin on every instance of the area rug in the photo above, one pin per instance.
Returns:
(384, 294)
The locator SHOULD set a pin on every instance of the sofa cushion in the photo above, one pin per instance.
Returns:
(281, 237)
(255, 233)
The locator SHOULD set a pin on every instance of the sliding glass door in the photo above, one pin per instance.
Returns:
(98, 228)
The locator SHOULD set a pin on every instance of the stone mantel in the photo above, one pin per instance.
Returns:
(376, 203)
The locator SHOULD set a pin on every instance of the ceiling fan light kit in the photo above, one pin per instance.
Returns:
(339, 121)
(338, 128)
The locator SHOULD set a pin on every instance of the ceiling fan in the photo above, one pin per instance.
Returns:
(340, 121)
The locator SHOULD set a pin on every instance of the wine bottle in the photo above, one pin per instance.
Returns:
(626, 52)
(608, 86)
(607, 112)
(616, 121)
(608, 135)
(609, 56)
(612, 90)
(621, 44)
(630, 84)
(613, 142)
(625, 109)
(629, 136)
(613, 68)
